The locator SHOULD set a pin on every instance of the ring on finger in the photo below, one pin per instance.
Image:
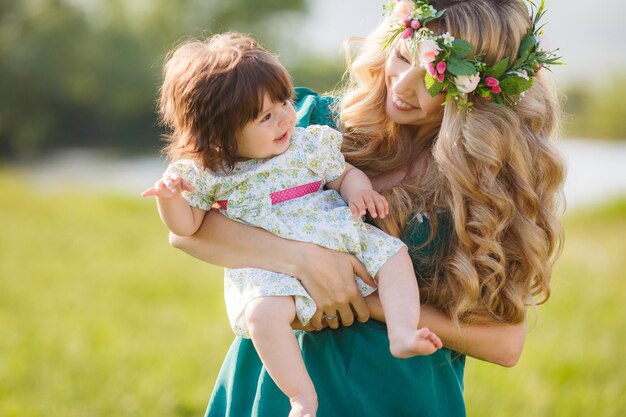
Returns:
(330, 317)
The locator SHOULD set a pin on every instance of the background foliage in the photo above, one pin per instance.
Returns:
(87, 73)
(77, 73)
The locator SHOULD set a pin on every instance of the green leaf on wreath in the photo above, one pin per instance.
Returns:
(484, 92)
(458, 67)
(433, 86)
(461, 48)
(526, 45)
(515, 85)
(498, 70)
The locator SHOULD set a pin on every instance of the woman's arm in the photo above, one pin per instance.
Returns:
(327, 275)
(501, 344)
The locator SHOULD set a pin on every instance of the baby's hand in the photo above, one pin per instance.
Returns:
(167, 187)
(375, 203)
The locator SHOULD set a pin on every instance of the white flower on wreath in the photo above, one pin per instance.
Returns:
(427, 51)
(467, 83)
(416, 14)
(521, 73)
(403, 9)
(447, 38)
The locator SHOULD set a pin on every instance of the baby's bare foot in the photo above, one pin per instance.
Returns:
(303, 405)
(413, 343)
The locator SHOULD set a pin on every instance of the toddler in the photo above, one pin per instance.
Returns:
(234, 143)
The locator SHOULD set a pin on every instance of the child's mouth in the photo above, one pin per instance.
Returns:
(282, 138)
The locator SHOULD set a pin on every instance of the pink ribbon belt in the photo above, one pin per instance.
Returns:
(284, 195)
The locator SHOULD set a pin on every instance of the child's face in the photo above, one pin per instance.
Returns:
(269, 134)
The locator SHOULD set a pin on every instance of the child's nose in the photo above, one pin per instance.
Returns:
(284, 120)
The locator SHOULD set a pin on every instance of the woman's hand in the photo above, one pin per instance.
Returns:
(328, 276)
(296, 325)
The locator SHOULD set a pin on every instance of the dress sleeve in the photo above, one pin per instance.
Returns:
(202, 181)
(313, 109)
(326, 159)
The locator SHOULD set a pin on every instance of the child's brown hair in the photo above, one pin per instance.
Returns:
(210, 90)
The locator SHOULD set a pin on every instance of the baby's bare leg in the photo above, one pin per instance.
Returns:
(399, 296)
(269, 321)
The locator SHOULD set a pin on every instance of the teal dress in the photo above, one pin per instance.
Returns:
(351, 367)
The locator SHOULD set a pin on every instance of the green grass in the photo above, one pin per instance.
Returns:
(572, 363)
(100, 317)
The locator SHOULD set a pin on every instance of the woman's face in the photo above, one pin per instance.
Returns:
(408, 102)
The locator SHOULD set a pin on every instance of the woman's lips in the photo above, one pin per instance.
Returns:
(400, 104)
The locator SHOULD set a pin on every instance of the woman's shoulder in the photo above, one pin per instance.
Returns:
(314, 109)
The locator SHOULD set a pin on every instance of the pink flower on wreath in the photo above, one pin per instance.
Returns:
(431, 69)
(496, 89)
(491, 82)
(403, 9)
(441, 77)
(441, 67)
(408, 32)
(427, 50)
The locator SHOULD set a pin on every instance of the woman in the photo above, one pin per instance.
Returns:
(473, 194)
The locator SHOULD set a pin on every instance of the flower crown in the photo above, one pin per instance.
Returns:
(448, 69)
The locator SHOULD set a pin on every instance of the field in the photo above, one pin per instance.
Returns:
(100, 317)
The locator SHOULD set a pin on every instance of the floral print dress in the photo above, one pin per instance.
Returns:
(247, 194)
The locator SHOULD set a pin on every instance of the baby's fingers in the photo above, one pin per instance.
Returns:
(381, 206)
(357, 207)
(149, 192)
(185, 185)
(171, 181)
(371, 207)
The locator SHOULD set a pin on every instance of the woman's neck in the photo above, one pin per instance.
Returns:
(421, 138)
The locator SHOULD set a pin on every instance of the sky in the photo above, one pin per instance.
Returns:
(590, 35)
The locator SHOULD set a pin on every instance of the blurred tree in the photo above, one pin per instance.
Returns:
(598, 111)
(318, 73)
(86, 72)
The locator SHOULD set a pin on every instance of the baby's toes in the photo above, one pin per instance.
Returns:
(435, 340)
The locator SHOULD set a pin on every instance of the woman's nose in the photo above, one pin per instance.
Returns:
(407, 82)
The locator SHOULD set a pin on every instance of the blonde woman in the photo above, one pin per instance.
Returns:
(473, 188)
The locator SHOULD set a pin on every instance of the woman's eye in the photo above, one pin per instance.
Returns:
(401, 57)
(266, 117)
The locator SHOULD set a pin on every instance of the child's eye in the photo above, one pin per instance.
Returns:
(401, 57)
(266, 117)
(287, 102)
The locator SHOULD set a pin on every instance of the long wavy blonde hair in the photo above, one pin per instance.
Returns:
(495, 171)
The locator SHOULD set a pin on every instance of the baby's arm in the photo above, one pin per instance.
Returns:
(356, 189)
(174, 210)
